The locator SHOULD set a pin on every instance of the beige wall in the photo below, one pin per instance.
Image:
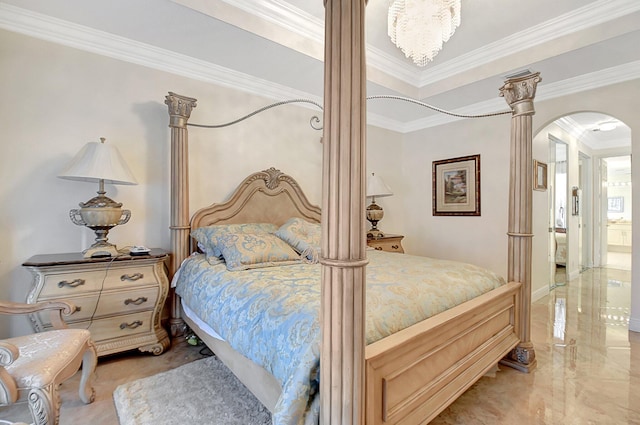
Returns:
(56, 99)
(482, 240)
(479, 240)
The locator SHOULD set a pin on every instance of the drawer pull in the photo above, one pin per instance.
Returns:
(137, 301)
(73, 284)
(131, 277)
(378, 248)
(395, 246)
(131, 325)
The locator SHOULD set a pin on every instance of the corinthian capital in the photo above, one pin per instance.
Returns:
(519, 93)
(179, 109)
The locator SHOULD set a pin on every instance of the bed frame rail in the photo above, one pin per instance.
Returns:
(413, 375)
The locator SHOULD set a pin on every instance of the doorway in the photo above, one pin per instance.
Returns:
(558, 202)
(618, 212)
(585, 216)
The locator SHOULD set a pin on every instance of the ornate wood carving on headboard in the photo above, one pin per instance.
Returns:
(268, 196)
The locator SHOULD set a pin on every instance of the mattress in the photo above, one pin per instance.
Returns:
(271, 314)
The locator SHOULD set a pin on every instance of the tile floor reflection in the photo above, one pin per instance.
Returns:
(588, 362)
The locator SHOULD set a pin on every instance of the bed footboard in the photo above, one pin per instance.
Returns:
(413, 375)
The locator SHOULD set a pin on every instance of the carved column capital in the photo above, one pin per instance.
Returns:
(179, 109)
(519, 93)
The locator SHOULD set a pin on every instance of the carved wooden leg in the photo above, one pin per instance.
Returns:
(89, 362)
(177, 327)
(44, 404)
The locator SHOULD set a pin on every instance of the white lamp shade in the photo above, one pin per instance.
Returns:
(99, 161)
(376, 187)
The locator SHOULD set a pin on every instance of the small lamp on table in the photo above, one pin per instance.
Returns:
(99, 163)
(376, 188)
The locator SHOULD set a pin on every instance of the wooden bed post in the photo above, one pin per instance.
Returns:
(519, 93)
(179, 111)
(343, 211)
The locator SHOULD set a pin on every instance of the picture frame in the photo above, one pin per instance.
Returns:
(456, 186)
(615, 204)
(539, 175)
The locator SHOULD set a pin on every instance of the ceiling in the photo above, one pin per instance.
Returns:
(275, 48)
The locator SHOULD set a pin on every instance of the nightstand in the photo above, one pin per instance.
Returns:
(119, 299)
(388, 242)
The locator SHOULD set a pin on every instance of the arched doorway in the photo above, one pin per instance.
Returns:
(579, 218)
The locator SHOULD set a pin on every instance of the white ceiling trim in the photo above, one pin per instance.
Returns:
(283, 14)
(605, 77)
(576, 131)
(613, 75)
(276, 20)
(585, 17)
(106, 44)
(585, 136)
(88, 39)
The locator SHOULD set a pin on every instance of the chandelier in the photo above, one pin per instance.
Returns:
(420, 27)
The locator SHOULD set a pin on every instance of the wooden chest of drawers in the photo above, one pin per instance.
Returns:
(119, 299)
(388, 242)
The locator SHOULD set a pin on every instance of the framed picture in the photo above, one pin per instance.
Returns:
(456, 186)
(616, 204)
(539, 175)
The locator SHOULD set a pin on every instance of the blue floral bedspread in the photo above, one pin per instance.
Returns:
(271, 315)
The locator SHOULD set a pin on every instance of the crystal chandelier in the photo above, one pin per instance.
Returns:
(420, 27)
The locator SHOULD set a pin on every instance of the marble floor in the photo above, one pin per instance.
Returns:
(588, 369)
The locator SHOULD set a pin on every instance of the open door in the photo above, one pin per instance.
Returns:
(603, 221)
(558, 206)
(586, 212)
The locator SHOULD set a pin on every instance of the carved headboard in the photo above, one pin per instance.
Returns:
(268, 196)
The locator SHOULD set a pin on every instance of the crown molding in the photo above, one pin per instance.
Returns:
(102, 43)
(591, 81)
(593, 14)
(285, 15)
(579, 132)
(576, 131)
(291, 18)
(106, 44)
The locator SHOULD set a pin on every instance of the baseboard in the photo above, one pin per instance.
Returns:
(634, 324)
(539, 293)
(573, 275)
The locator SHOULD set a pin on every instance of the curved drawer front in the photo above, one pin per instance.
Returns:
(392, 246)
(121, 277)
(120, 299)
(86, 307)
(129, 301)
(118, 326)
(61, 285)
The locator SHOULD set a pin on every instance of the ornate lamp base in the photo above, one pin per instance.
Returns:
(374, 215)
(100, 214)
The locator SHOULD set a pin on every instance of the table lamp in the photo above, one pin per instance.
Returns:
(376, 188)
(101, 163)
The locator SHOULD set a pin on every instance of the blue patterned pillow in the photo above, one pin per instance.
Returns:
(303, 236)
(207, 237)
(242, 251)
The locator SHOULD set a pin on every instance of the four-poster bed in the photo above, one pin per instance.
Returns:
(449, 351)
